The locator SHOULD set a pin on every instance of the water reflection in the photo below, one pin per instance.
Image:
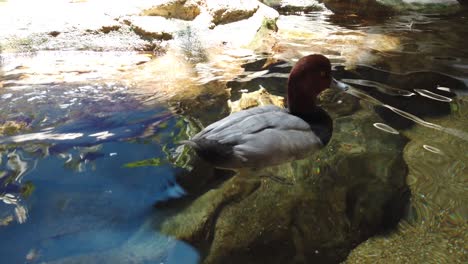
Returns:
(434, 96)
(386, 128)
(380, 87)
(432, 149)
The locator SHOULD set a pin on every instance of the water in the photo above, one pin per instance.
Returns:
(82, 164)
(77, 201)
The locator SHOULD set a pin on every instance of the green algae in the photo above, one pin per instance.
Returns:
(143, 163)
(27, 189)
(10, 128)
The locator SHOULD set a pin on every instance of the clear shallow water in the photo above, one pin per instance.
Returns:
(77, 162)
(71, 189)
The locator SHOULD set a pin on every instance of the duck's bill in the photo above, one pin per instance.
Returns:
(335, 84)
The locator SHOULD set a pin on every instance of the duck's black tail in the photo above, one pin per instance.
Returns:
(210, 150)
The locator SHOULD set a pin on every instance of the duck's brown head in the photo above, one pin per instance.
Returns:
(308, 78)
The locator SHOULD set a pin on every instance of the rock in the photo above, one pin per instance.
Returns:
(295, 6)
(308, 211)
(265, 38)
(388, 7)
(180, 9)
(258, 98)
(110, 27)
(155, 27)
(224, 12)
(414, 244)
(103, 24)
(427, 6)
(338, 103)
(435, 228)
(240, 33)
(158, 20)
(361, 7)
(217, 12)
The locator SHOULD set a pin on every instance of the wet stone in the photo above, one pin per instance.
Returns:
(231, 11)
(434, 229)
(388, 7)
(179, 9)
(153, 27)
(258, 98)
(288, 7)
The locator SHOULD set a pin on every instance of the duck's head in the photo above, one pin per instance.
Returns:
(308, 78)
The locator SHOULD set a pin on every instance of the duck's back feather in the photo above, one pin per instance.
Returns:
(257, 137)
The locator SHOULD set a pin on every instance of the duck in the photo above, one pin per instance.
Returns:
(269, 135)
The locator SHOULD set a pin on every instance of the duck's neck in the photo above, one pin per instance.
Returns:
(307, 113)
(300, 105)
(320, 123)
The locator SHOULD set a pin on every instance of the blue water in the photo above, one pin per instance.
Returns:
(85, 200)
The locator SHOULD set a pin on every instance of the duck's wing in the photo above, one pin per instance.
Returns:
(260, 137)
(232, 121)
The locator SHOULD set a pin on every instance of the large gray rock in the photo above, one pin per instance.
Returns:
(309, 211)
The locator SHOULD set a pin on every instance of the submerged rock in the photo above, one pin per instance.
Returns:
(311, 210)
(254, 99)
(435, 229)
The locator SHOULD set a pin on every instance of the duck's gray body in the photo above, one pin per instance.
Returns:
(259, 137)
